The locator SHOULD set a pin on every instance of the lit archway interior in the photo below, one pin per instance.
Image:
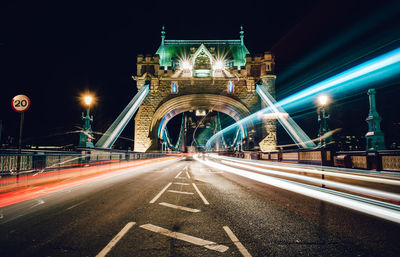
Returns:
(177, 105)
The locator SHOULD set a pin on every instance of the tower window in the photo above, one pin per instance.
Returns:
(174, 88)
(231, 86)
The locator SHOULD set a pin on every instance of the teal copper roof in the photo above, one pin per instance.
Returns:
(232, 49)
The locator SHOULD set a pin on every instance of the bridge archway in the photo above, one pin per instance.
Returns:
(184, 75)
(177, 105)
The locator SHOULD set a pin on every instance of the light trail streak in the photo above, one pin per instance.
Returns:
(343, 186)
(353, 79)
(49, 186)
(319, 172)
(388, 213)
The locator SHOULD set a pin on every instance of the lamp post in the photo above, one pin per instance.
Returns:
(323, 116)
(86, 135)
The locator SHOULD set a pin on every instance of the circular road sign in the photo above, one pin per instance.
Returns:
(20, 103)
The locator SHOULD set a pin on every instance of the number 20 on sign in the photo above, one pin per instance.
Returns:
(20, 103)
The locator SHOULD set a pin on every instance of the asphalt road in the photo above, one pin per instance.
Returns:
(183, 208)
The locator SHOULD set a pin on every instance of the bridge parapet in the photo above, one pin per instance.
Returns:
(387, 160)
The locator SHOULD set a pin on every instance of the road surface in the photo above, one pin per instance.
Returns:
(183, 207)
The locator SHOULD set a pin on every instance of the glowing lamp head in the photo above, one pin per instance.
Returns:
(323, 100)
(218, 65)
(88, 99)
(185, 65)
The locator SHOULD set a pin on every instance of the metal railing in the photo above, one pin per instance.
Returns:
(62, 165)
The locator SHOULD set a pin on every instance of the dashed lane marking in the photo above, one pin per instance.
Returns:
(187, 238)
(180, 192)
(187, 174)
(179, 207)
(180, 183)
(200, 194)
(236, 241)
(203, 181)
(159, 194)
(177, 176)
(115, 240)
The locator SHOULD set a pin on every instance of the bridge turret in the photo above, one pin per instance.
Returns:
(375, 137)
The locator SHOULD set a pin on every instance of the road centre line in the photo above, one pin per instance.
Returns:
(184, 237)
(200, 194)
(181, 192)
(115, 240)
(179, 207)
(187, 174)
(179, 174)
(180, 183)
(236, 241)
(159, 194)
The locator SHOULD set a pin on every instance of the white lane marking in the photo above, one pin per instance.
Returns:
(203, 181)
(181, 192)
(200, 194)
(179, 183)
(179, 207)
(115, 240)
(179, 174)
(184, 237)
(39, 202)
(75, 205)
(236, 241)
(187, 174)
(159, 194)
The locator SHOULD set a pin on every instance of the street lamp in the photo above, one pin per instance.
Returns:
(323, 116)
(86, 135)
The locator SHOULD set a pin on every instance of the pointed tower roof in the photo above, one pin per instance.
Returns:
(233, 49)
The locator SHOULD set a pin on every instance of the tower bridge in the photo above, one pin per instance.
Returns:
(202, 75)
(196, 75)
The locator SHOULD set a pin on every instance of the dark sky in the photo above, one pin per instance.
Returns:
(54, 50)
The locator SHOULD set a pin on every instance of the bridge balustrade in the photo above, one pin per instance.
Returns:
(38, 164)
(388, 160)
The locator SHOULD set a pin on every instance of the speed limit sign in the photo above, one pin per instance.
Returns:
(20, 103)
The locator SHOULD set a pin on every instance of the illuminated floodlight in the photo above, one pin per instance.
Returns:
(323, 100)
(88, 99)
(185, 65)
(218, 65)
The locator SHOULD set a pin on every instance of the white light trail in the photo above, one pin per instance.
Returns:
(319, 172)
(364, 207)
(356, 189)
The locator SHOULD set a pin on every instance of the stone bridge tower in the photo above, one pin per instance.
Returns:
(187, 75)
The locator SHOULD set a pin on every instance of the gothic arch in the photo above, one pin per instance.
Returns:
(177, 105)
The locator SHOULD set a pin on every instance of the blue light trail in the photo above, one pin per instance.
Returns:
(344, 84)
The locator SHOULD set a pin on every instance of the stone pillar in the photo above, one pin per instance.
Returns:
(269, 142)
(374, 137)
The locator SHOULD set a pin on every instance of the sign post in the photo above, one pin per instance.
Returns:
(20, 103)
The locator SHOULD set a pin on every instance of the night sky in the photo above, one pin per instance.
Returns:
(52, 51)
